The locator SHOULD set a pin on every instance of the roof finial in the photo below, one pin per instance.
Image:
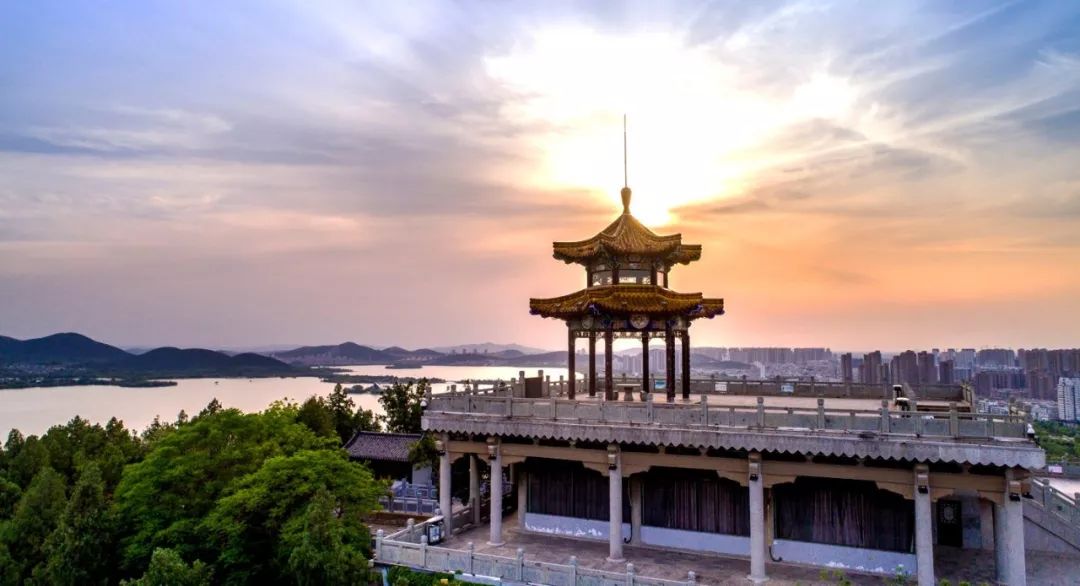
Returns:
(626, 183)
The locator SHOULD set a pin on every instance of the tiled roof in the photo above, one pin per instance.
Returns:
(386, 447)
(627, 299)
(627, 236)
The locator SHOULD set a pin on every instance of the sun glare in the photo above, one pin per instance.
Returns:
(694, 123)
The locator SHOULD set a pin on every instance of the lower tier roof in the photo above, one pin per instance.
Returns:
(627, 299)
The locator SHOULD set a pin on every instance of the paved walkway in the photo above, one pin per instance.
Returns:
(974, 566)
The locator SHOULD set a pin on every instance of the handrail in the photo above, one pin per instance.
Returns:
(1065, 506)
(400, 549)
(884, 420)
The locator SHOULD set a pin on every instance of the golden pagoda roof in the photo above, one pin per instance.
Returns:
(627, 299)
(627, 236)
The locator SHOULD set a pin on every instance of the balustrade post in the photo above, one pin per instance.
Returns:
(704, 410)
(472, 555)
(761, 412)
(509, 405)
(649, 407)
(410, 524)
(423, 551)
(629, 574)
(691, 578)
(918, 420)
(884, 416)
(821, 413)
(378, 543)
(519, 558)
(573, 570)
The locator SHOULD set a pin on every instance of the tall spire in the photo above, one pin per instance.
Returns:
(626, 182)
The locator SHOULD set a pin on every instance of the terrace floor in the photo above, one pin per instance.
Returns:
(975, 566)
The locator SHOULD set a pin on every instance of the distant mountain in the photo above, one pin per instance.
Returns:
(346, 353)
(65, 348)
(195, 361)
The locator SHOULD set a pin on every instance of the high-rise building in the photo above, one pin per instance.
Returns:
(946, 372)
(927, 368)
(904, 368)
(1068, 398)
(845, 367)
(870, 369)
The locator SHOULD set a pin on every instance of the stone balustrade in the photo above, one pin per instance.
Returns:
(706, 413)
(409, 548)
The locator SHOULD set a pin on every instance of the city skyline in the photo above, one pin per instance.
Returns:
(274, 173)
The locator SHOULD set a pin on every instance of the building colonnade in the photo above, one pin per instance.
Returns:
(752, 473)
(669, 335)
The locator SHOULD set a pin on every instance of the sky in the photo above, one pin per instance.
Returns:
(886, 174)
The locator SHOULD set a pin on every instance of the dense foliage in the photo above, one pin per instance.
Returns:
(1059, 440)
(224, 497)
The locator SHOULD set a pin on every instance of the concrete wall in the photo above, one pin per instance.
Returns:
(571, 527)
(1042, 529)
(838, 556)
(696, 540)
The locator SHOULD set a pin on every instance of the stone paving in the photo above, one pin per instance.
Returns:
(974, 566)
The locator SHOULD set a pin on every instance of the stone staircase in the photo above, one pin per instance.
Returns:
(1052, 520)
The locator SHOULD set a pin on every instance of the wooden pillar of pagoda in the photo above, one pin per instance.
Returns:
(645, 362)
(686, 365)
(669, 340)
(592, 364)
(571, 359)
(609, 342)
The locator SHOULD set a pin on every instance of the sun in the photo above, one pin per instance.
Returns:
(696, 124)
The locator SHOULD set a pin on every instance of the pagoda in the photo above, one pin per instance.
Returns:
(626, 294)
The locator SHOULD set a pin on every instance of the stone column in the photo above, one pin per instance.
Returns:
(570, 359)
(924, 535)
(1001, 553)
(645, 362)
(474, 488)
(1014, 533)
(609, 343)
(445, 503)
(521, 477)
(495, 459)
(615, 553)
(756, 485)
(686, 365)
(592, 364)
(635, 510)
(669, 340)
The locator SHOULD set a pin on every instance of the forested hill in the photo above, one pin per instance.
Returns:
(74, 354)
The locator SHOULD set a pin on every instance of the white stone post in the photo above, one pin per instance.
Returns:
(445, 503)
(924, 536)
(615, 552)
(757, 520)
(495, 458)
(1014, 532)
(474, 488)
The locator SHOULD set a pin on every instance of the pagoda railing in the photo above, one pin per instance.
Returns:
(710, 412)
(559, 387)
(409, 547)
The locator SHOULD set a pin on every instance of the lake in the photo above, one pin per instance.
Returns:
(34, 410)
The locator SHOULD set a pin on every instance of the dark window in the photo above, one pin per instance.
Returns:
(844, 512)
(694, 500)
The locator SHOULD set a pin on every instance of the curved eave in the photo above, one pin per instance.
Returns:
(803, 442)
(627, 300)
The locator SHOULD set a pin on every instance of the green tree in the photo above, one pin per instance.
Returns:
(9, 497)
(80, 549)
(315, 415)
(249, 522)
(162, 500)
(403, 405)
(36, 516)
(167, 568)
(30, 458)
(317, 542)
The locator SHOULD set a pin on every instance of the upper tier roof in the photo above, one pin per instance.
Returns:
(626, 236)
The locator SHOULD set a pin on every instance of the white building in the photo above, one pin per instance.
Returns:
(1068, 401)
